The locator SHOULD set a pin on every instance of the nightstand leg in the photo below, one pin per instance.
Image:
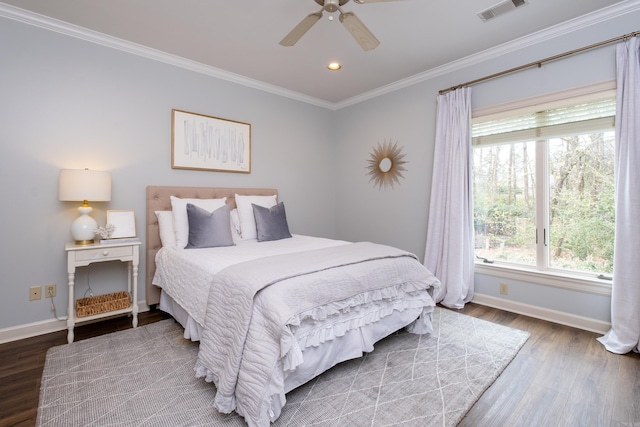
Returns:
(129, 276)
(71, 321)
(134, 302)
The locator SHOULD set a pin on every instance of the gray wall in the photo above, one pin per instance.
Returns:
(399, 216)
(67, 103)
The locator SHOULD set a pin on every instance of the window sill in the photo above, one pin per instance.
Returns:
(546, 278)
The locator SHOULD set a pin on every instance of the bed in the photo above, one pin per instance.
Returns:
(272, 309)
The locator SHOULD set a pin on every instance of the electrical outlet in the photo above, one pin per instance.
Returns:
(504, 289)
(50, 290)
(35, 293)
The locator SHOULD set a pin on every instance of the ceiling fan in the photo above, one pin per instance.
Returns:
(351, 22)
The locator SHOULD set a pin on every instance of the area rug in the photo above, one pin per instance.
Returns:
(145, 377)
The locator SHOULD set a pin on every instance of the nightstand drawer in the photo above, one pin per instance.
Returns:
(104, 253)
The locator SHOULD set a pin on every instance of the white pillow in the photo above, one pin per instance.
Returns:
(180, 219)
(245, 213)
(235, 226)
(165, 225)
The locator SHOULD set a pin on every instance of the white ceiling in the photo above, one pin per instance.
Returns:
(241, 37)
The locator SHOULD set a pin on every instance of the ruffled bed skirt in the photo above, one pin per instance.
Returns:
(309, 350)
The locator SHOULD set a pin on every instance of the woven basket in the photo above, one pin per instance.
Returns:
(102, 304)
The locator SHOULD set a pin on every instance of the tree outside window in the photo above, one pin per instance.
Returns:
(544, 189)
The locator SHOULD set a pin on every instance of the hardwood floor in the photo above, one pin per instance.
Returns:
(561, 377)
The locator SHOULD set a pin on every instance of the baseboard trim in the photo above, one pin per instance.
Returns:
(555, 316)
(35, 329)
(29, 330)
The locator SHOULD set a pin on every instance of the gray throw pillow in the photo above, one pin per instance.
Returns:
(271, 223)
(209, 229)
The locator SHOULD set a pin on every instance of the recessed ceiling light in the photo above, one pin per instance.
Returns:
(334, 66)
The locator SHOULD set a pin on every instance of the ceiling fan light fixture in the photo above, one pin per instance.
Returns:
(362, 35)
(331, 5)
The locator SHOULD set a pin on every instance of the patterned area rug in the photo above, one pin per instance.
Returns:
(144, 377)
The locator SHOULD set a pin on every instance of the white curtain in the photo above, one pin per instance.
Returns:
(625, 298)
(449, 248)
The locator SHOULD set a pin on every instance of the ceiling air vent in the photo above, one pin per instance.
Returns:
(501, 8)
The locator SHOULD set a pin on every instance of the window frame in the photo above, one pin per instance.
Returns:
(542, 273)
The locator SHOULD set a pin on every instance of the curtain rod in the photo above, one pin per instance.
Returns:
(540, 62)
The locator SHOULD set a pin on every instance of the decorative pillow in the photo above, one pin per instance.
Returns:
(209, 229)
(271, 223)
(180, 221)
(165, 225)
(245, 213)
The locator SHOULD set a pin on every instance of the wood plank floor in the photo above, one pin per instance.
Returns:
(561, 377)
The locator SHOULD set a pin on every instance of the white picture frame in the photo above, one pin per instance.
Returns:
(207, 143)
(124, 222)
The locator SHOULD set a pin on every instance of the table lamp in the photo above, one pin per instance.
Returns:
(84, 185)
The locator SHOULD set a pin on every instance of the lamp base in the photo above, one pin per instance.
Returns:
(83, 228)
(84, 242)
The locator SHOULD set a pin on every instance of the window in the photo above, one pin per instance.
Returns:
(543, 187)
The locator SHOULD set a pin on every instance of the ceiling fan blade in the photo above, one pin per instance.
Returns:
(301, 29)
(359, 31)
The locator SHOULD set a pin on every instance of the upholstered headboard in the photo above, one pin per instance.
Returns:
(158, 199)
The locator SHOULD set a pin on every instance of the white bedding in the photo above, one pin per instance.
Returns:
(309, 331)
(351, 345)
(185, 274)
(263, 314)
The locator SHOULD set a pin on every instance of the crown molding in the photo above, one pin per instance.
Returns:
(51, 24)
(547, 34)
(58, 26)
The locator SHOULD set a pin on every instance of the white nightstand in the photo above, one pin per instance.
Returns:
(83, 255)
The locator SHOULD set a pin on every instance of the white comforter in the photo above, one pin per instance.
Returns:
(185, 274)
(254, 332)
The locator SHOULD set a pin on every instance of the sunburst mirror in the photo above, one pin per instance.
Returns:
(385, 164)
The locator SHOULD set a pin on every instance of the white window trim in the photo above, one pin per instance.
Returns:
(563, 280)
(545, 102)
(546, 278)
(546, 132)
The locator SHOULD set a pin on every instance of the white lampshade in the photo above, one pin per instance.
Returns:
(84, 185)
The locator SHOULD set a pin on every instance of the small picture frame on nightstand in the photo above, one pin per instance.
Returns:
(124, 223)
